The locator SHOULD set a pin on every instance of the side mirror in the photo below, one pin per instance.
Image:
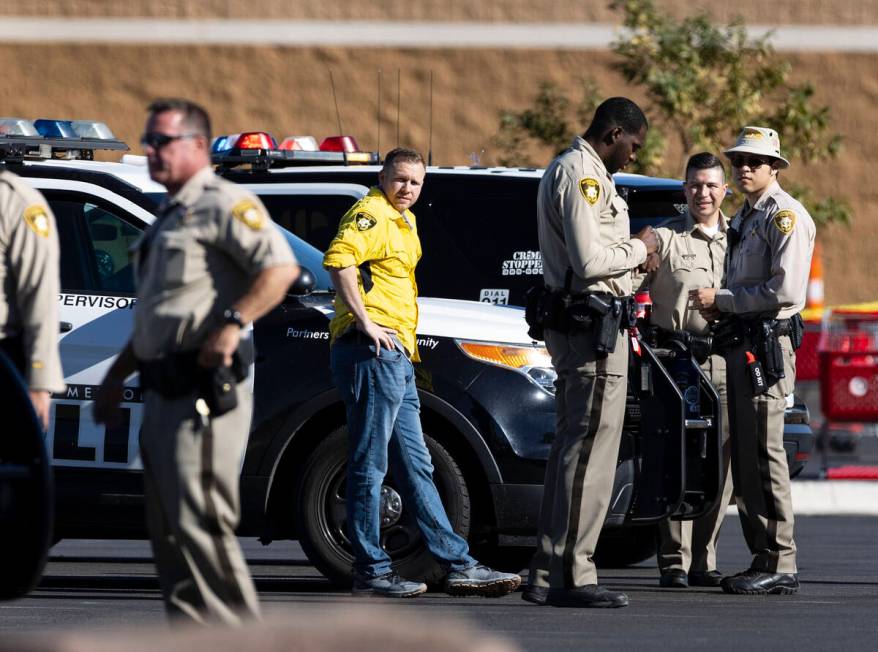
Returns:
(303, 285)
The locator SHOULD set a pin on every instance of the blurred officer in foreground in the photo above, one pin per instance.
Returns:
(210, 264)
(372, 264)
(29, 282)
(771, 240)
(692, 253)
(588, 255)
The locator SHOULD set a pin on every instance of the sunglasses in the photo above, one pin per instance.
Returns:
(751, 162)
(157, 141)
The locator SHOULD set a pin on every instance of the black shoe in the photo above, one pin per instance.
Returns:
(674, 578)
(705, 578)
(535, 594)
(754, 582)
(590, 595)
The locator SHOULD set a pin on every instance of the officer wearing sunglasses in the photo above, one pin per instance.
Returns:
(770, 245)
(210, 264)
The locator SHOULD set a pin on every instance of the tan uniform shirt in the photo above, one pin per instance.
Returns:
(29, 280)
(196, 260)
(583, 225)
(768, 269)
(690, 259)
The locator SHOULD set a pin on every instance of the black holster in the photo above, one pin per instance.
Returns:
(178, 374)
(601, 314)
(764, 335)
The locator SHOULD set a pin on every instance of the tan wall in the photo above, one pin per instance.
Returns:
(286, 91)
(816, 12)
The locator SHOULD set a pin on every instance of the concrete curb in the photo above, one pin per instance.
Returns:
(832, 498)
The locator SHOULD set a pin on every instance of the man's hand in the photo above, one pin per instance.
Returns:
(648, 236)
(106, 407)
(380, 335)
(704, 301)
(653, 262)
(41, 400)
(219, 347)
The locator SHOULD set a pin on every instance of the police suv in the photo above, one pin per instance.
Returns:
(486, 388)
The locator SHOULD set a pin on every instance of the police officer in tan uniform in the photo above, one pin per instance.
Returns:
(211, 263)
(692, 252)
(29, 281)
(586, 248)
(765, 287)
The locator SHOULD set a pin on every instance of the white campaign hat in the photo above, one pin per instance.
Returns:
(758, 140)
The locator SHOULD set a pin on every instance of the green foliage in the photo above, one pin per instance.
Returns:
(704, 83)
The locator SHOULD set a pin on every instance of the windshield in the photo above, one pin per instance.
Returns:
(309, 257)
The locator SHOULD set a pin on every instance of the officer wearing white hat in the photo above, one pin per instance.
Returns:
(770, 245)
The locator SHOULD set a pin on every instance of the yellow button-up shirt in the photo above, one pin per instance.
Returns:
(374, 234)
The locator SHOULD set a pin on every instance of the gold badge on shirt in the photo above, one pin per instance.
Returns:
(249, 214)
(365, 221)
(785, 221)
(590, 189)
(37, 219)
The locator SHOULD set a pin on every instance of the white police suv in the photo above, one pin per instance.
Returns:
(486, 388)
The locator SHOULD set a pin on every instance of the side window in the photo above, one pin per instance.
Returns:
(314, 218)
(94, 247)
(111, 238)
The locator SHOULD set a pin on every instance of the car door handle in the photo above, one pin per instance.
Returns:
(66, 327)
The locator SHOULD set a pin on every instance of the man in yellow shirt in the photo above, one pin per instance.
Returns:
(372, 264)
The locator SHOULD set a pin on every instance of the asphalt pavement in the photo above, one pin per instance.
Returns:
(104, 585)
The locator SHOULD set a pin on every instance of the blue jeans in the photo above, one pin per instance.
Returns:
(384, 425)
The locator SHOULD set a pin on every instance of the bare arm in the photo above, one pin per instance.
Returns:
(106, 407)
(267, 290)
(345, 281)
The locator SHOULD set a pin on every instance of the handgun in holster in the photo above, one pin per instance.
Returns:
(769, 351)
(607, 316)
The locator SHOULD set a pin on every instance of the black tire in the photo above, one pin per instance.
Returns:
(621, 547)
(321, 514)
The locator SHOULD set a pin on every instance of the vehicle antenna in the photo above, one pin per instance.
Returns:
(430, 130)
(335, 99)
(378, 148)
(398, 95)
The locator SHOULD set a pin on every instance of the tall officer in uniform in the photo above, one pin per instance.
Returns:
(372, 264)
(692, 253)
(29, 280)
(770, 245)
(586, 249)
(211, 263)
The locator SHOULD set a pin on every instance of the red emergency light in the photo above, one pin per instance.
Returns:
(339, 144)
(255, 140)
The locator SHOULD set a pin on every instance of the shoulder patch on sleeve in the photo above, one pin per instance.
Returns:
(590, 189)
(364, 221)
(248, 213)
(37, 219)
(785, 221)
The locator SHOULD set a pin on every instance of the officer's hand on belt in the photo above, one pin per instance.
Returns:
(649, 237)
(219, 347)
(380, 335)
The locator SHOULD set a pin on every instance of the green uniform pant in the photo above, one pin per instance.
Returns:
(691, 545)
(191, 474)
(590, 409)
(759, 463)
